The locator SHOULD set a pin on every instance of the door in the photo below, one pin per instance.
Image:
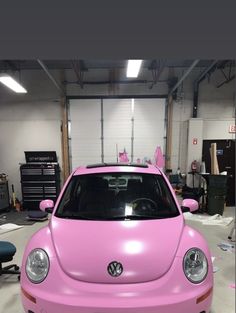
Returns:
(101, 128)
(226, 161)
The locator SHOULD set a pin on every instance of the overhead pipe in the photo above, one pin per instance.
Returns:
(107, 82)
(44, 67)
(78, 72)
(203, 74)
(196, 86)
(189, 70)
(168, 163)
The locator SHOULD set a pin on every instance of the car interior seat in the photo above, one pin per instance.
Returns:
(133, 192)
(96, 197)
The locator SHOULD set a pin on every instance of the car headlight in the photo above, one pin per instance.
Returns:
(37, 265)
(195, 265)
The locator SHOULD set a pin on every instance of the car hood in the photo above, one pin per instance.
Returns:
(146, 249)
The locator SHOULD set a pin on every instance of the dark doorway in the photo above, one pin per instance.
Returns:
(226, 161)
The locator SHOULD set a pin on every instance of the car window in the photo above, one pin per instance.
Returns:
(117, 196)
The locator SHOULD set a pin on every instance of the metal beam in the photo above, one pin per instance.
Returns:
(157, 71)
(226, 81)
(77, 67)
(168, 154)
(102, 132)
(107, 82)
(203, 74)
(44, 67)
(11, 65)
(161, 96)
(189, 70)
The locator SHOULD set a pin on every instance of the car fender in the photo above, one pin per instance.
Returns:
(191, 238)
(42, 239)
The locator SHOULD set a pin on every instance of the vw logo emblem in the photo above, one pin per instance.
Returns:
(115, 269)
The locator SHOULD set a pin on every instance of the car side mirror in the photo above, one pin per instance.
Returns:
(46, 206)
(189, 205)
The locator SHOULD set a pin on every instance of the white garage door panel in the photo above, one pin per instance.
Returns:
(85, 134)
(117, 127)
(85, 109)
(149, 119)
(80, 130)
(149, 108)
(144, 130)
(114, 107)
(86, 148)
(117, 130)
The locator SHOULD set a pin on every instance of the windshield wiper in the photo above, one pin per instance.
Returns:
(75, 217)
(135, 217)
(116, 217)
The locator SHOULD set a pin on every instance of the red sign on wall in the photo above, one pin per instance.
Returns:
(232, 129)
(194, 141)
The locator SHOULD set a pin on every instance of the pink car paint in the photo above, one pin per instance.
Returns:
(46, 204)
(191, 204)
(151, 252)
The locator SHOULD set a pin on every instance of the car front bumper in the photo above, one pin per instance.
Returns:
(172, 293)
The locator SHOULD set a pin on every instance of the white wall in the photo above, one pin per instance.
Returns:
(28, 122)
(216, 109)
(218, 129)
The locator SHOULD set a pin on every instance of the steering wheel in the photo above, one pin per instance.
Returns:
(144, 204)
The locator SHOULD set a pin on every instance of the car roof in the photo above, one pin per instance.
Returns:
(116, 168)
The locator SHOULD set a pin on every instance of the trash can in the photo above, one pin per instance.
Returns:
(215, 205)
(216, 193)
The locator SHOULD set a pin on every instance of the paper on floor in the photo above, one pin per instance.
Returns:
(8, 227)
(216, 219)
(225, 246)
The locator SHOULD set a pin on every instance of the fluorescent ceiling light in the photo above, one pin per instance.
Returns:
(133, 68)
(11, 83)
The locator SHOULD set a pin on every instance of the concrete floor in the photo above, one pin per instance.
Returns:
(224, 296)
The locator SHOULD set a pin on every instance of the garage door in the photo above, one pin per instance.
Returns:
(101, 127)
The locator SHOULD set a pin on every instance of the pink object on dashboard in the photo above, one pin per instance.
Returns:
(123, 157)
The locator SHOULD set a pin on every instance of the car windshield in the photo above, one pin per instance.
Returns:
(117, 196)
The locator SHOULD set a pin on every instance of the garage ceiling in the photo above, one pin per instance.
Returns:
(98, 72)
(94, 64)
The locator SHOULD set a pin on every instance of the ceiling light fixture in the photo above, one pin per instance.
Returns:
(11, 83)
(133, 68)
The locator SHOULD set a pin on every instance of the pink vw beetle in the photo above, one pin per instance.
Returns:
(117, 242)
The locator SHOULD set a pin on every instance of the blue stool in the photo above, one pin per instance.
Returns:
(7, 251)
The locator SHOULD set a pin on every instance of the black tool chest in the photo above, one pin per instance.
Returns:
(40, 178)
(4, 195)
